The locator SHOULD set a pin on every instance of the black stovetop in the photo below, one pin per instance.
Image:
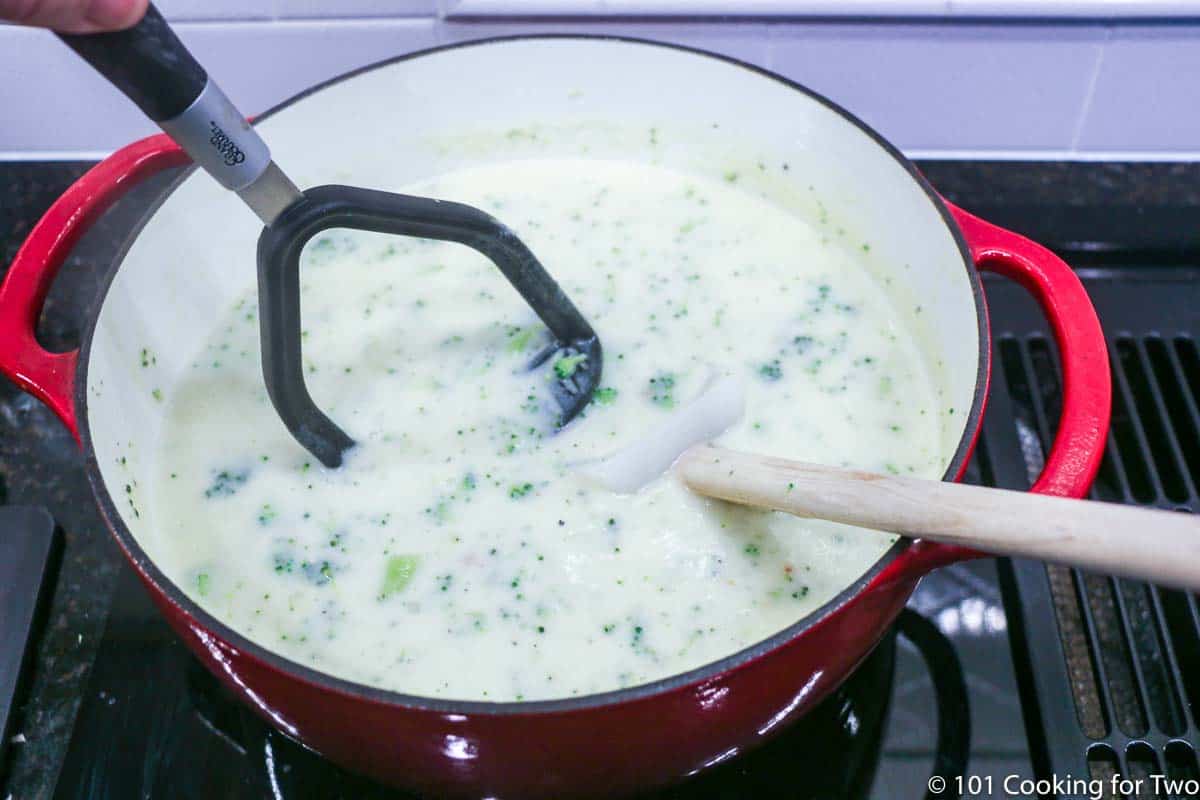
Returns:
(121, 711)
(157, 725)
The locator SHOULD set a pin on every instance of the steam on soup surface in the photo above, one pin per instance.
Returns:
(456, 554)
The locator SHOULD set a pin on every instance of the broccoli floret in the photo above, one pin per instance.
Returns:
(565, 366)
(662, 390)
(771, 372)
(519, 338)
(605, 395)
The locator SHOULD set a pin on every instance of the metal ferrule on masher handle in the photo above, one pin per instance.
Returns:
(219, 139)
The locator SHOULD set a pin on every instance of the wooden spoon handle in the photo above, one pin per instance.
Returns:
(1159, 546)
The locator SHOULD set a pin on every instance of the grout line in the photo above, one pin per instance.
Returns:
(53, 155)
(301, 22)
(770, 45)
(1168, 156)
(1090, 92)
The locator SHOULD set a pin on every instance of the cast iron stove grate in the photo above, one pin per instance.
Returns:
(1109, 668)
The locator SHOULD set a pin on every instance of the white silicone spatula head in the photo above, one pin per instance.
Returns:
(719, 406)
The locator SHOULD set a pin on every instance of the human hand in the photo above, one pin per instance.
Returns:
(74, 16)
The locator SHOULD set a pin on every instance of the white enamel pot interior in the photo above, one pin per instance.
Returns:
(510, 99)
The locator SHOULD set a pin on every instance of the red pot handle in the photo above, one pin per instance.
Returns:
(50, 377)
(1078, 446)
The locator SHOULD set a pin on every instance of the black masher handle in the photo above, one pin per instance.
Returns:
(147, 62)
(157, 72)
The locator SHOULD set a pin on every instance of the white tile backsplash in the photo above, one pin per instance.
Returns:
(54, 101)
(1146, 92)
(235, 11)
(980, 85)
(1075, 9)
(745, 41)
(459, 9)
(783, 8)
(193, 10)
(876, 9)
(697, 8)
(933, 87)
(262, 65)
(258, 65)
(293, 9)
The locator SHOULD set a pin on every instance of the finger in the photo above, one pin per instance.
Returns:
(115, 15)
(74, 16)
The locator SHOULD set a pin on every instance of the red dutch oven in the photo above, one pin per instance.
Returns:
(421, 114)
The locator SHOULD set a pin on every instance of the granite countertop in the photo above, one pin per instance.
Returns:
(40, 463)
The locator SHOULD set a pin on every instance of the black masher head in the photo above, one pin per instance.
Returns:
(152, 67)
(324, 207)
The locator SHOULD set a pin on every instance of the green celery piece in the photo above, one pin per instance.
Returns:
(398, 574)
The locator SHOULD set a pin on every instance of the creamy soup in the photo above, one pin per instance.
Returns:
(457, 553)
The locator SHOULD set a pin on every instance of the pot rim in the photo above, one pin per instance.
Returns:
(207, 625)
